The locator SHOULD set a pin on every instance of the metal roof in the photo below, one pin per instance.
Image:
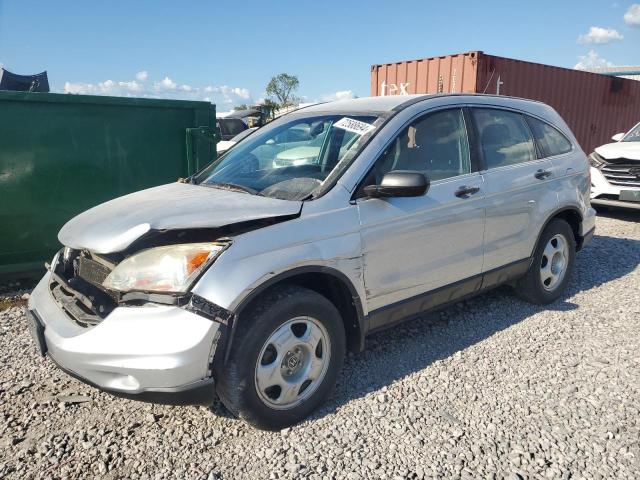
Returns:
(397, 102)
(630, 72)
(364, 104)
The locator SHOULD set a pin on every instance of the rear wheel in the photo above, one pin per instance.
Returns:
(285, 359)
(552, 265)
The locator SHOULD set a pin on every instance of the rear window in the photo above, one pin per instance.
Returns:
(231, 126)
(549, 139)
(505, 138)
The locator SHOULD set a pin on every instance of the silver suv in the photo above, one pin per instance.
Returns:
(252, 278)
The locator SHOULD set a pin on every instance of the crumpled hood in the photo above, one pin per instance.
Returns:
(612, 151)
(114, 225)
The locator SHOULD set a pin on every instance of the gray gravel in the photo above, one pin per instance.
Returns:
(490, 388)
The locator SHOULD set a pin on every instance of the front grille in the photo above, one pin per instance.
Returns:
(76, 285)
(92, 271)
(620, 175)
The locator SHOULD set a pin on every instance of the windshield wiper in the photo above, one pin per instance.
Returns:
(235, 187)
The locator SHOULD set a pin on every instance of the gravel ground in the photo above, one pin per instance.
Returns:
(490, 388)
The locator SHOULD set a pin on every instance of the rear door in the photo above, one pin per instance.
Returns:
(517, 181)
(419, 244)
(568, 164)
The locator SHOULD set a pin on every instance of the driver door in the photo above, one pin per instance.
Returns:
(421, 250)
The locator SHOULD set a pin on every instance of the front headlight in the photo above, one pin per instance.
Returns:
(163, 269)
(596, 160)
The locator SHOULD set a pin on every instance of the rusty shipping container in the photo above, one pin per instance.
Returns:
(595, 106)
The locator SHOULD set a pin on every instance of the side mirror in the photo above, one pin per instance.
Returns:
(617, 137)
(399, 183)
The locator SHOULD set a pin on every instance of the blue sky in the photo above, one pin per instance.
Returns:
(227, 51)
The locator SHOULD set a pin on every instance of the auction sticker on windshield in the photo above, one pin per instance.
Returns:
(355, 126)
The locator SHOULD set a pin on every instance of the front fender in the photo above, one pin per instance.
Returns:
(258, 256)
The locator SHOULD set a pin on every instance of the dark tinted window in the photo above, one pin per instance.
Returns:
(231, 126)
(435, 145)
(550, 140)
(505, 138)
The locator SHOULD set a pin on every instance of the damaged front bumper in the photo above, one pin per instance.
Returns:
(156, 353)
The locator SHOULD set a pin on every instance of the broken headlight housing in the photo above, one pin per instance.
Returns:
(169, 269)
(595, 160)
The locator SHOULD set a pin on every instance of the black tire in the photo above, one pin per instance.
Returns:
(236, 384)
(530, 287)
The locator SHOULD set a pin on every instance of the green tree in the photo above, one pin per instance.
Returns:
(240, 107)
(282, 88)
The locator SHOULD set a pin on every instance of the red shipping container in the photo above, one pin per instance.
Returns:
(595, 106)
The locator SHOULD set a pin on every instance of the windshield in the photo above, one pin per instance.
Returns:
(633, 135)
(291, 157)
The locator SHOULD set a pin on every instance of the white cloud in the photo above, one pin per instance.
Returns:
(231, 91)
(131, 86)
(108, 87)
(229, 94)
(591, 60)
(339, 95)
(600, 36)
(142, 76)
(223, 95)
(167, 84)
(70, 87)
(632, 17)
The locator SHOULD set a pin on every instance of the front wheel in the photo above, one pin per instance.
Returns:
(287, 354)
(552, 265)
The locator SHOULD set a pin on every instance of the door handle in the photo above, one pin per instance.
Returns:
(464, 191)
(542, 174)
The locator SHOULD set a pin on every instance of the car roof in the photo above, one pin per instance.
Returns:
(398, 102)
(364, 104)
(394, 103)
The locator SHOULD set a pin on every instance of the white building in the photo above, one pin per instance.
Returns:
(632, 73)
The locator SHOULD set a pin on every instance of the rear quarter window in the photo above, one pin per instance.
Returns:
(550, 141)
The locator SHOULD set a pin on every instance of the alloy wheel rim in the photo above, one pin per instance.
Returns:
(554, 262)
(292, 363)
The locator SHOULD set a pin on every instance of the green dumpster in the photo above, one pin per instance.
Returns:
(62, 154)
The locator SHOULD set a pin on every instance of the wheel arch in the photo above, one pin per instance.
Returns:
(569, 214)
(327, 281)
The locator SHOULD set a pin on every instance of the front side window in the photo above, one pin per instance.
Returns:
(435, 145)
(291, 157)
(633, 135)
(504, 137)
(550, 140)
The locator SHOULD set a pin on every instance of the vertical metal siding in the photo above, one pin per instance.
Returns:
(452, 73)
(594, 106)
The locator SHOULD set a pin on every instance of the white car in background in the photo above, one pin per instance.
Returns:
(224, 145)
(615, 171)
